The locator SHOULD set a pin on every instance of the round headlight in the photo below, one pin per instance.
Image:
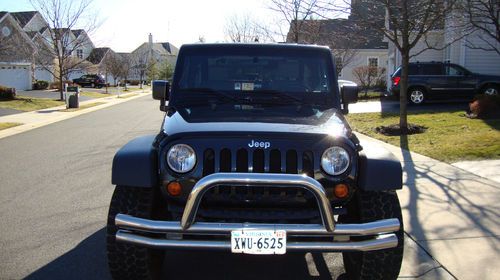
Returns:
(181, 158)
(335, 160)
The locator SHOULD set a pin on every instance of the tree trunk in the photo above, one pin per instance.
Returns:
(403, 92)
(61, 89)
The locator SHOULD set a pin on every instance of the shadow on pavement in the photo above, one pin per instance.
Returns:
(88, 261)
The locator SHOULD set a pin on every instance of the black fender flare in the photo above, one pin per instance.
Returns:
(136, 163)
(379, 169)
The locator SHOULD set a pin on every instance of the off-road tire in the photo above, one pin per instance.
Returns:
(382, 264)
(127, 261)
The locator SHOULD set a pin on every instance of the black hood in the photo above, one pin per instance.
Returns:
(334, 126)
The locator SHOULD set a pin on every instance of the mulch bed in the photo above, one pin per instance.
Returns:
(395, 130)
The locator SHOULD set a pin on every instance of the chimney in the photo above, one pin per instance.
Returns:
(150, 39)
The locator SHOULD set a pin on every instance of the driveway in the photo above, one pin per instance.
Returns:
(392, 106)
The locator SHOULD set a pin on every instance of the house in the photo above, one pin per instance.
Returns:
(351, 44)
(16, 54)
(103, 61)
(151, 53)
(454, 43)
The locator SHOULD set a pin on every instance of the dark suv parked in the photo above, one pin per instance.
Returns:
(91, 81)
(439, 81)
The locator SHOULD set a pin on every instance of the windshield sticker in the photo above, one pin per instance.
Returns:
(237, 86)
(247, 86)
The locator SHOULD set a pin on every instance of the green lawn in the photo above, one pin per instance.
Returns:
(29, 103)
(450, 136)
(5, 125)
(92, 94)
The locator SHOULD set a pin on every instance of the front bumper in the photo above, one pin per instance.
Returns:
(215, 236)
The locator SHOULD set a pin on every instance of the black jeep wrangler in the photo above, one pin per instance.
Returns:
(254, 156)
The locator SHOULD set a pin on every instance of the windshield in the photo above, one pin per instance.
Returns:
(256, 83)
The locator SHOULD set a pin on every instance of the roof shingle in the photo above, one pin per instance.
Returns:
(23, 17)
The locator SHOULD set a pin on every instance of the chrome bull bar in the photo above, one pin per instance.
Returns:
(382, 231)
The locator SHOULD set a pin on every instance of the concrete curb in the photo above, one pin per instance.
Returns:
(35, 119)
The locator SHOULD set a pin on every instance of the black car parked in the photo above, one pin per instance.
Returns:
(91, 81)
(440, 81)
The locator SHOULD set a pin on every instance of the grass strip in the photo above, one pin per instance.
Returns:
(450, 136)
(23, 103)
(5, 125)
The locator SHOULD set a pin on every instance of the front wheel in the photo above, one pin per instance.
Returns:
(130, 261)
(382, 264)
(416, 96)
(490, 90)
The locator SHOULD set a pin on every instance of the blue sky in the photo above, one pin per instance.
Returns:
(127, 23)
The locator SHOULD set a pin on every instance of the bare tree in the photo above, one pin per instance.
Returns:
(483, 19)
(240, 29)
(126, 65)
(244, 28)
(141, 64)
(63, 16)
(114, 65)
(407, 23)
(295, 12)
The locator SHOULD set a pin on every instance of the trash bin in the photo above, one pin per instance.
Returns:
(73, 101)
(72, 96)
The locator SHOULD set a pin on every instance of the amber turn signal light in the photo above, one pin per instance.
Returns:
(341, 191)
(174, 188)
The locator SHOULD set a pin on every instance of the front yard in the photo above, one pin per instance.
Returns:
(26, 104)
(450, 136)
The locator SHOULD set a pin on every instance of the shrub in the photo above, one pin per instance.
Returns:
(7, 93)
(40, 85)
(484, 106)
(368, 77)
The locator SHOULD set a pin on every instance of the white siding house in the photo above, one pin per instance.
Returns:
(468, 51)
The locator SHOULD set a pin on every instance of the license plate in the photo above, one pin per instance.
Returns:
(258, 242)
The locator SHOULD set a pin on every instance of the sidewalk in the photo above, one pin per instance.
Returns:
(451, 214)
(35, 119)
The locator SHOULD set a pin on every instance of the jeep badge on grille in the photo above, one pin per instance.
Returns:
(256, 144)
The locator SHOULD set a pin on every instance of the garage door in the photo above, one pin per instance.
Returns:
(15, 76)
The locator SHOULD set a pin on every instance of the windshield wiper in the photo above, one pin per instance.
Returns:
(276, 94)
(213, 92)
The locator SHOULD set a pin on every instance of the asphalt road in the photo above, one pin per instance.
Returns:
(54, 194)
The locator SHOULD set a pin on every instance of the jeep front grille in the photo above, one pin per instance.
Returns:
(262, 202)
(258, 161)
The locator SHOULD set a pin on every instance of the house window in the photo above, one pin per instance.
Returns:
(79, 53)
(373, 61)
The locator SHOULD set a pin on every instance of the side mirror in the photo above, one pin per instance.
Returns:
(161, 90)
(349, 94)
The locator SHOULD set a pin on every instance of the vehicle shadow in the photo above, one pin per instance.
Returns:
(88, 261)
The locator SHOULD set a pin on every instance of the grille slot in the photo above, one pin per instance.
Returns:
(258, 161)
